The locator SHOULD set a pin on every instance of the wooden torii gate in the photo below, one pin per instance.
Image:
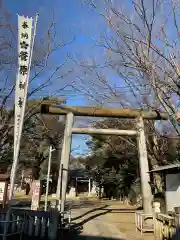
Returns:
(137, 114)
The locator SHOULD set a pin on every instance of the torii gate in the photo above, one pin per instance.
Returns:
(70, 112)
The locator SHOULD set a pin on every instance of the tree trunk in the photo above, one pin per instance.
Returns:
(36, 172)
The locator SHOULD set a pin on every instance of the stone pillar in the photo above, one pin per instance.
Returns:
(64, 163)
(144, 168)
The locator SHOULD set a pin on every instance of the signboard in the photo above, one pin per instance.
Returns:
(172, 191)
(36, 187)
(2, 191)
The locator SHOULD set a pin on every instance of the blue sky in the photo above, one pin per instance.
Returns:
(72, 20)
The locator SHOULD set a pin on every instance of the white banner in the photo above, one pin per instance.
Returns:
(24, 50)
(25, 47)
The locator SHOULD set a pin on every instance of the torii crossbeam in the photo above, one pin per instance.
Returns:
(103, 112)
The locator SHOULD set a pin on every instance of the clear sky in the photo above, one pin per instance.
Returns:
(72, 20)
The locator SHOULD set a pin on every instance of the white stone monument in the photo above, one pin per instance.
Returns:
(72, 192)
(94, 189)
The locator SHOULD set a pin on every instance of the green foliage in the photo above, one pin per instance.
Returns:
(43, 131)
(39, 131)
(114, 161)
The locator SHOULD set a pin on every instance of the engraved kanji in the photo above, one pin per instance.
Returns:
(23, 69)
(21, 85)
(24, 35)
(24, 45)
(20, 102)
(23, 55)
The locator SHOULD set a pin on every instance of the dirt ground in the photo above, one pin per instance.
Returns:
(123, 218)
(108, 220)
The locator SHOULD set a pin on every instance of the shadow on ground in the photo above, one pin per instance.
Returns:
(77, 228)
(103, 208)
(75, 235)
(80, 224)
(70, 204)
(90, 211)
(78, 237)
(96, 238)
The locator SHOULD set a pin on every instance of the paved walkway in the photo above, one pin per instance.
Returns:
(107, 220)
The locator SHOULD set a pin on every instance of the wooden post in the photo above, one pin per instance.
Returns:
(144, 168)
(22, 178)
(76, 187)
(5, 194)
(48, 177)
(89, 187)
(63, 173)
(177, 222)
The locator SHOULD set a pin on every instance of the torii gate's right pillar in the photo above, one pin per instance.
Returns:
(144, 168)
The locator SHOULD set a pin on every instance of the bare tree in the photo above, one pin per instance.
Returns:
(142, 50)
(43, 70)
